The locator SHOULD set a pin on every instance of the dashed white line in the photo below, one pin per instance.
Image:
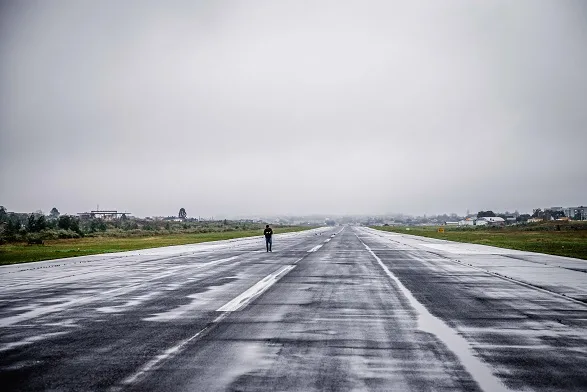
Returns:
(314, 249)
(256, 290)
(236, 304)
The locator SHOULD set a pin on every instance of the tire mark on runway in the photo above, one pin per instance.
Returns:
(169, 353)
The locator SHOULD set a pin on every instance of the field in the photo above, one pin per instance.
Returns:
(570, 240)
(56, 249)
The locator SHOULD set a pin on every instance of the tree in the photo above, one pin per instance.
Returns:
(537, 213)
(31, 224)
(13, 225)
(558, 214)
(97, 225)
(41, 223)
(67, 222)
(54, 213)
(74, 225)
(182, 214)
(63, 222)
(483, 214)
(3, 214)
(553, 214)
(36, 223)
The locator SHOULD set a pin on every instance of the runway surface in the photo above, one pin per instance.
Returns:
(331, 309)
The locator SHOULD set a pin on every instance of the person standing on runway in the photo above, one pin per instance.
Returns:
(268, 234)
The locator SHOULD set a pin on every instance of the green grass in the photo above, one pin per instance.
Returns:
(56, 249)
(570, 241)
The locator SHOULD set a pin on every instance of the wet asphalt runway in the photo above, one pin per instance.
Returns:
(333, 309)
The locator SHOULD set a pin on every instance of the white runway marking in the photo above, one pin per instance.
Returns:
(236, 304)
(259, 288)
(429, 323)
(314, 249)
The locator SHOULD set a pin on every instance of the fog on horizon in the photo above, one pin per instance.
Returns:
(265, 108)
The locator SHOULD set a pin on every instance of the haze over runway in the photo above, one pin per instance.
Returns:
(342, 308)
(240, 108)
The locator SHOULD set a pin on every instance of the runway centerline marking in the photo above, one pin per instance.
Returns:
(236, 304)
(314, 249)
(431, 324)
(256, 290)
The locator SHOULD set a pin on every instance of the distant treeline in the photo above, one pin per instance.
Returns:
(37, 227)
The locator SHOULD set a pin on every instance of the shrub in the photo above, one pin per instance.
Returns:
(62, 234)
(34, 239)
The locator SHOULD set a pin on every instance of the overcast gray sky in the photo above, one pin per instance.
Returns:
(290, 107)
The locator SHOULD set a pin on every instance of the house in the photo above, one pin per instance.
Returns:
(468, 222)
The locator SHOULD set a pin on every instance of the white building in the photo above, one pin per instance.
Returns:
(468, 222)
(491, 221)
(577, 213)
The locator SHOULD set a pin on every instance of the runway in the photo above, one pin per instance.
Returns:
(331, 309)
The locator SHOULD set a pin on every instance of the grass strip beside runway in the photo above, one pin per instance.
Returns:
(57, 249)
(570, 242)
